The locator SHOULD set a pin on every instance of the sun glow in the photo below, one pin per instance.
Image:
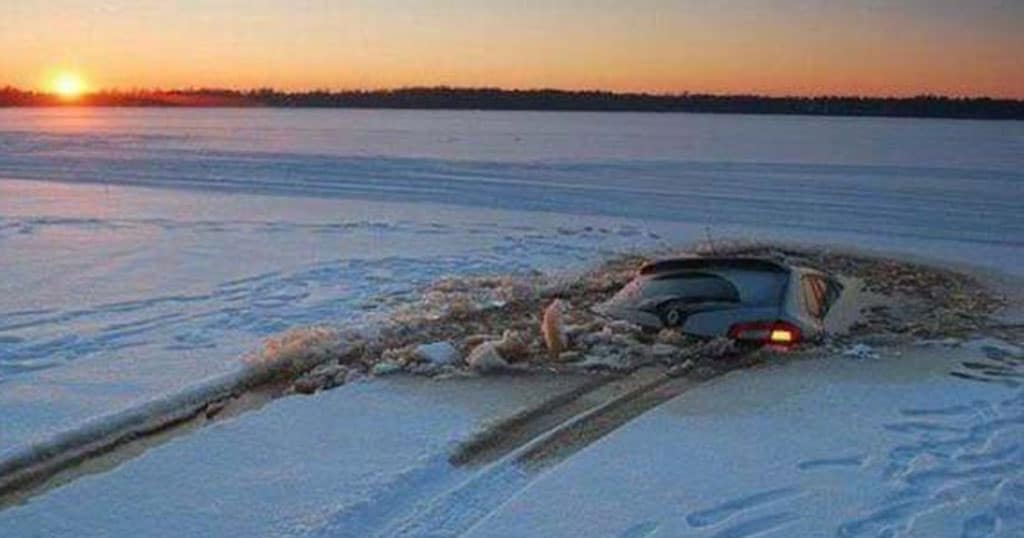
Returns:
(69, 86)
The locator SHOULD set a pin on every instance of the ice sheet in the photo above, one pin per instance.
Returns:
(327, 463)
(837, 447)
(143, 251)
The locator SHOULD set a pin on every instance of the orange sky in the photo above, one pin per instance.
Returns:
(728, 46)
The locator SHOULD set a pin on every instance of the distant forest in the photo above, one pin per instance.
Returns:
(925, 106)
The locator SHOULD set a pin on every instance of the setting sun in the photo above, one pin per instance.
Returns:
(69, 85)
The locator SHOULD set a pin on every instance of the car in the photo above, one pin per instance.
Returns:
(755, 300)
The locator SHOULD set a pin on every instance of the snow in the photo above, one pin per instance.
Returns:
(340, 459)
(386, 367)
(818, 447)
(143, 252)
(861, 351)
(437, 353)
(822, 448)
(171, 288)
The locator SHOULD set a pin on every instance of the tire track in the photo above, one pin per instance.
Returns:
(511, 454)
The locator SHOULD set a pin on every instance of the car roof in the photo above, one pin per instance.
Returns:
(710, 263)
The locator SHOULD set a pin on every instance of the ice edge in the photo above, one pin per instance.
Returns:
(35, 463)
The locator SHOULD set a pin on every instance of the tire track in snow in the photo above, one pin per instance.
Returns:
(463, 505)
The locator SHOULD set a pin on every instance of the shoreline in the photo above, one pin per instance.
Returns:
(73, 106)
(541, 99)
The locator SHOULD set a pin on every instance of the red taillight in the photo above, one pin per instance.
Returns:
(775, 332)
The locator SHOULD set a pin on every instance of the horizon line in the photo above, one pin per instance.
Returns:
(535, 89)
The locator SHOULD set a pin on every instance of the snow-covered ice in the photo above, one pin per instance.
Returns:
(894, 447)
(337, 462)
(820, 447)
(166, 288)
(142, 252)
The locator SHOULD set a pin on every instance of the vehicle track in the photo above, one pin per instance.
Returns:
(512, 454)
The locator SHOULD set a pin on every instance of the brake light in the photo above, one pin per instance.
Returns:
(774, 332)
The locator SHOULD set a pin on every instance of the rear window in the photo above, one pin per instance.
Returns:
(687, 286)
(759, 288)
(695, 287)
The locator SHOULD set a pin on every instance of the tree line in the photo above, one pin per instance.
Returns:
(924, 106)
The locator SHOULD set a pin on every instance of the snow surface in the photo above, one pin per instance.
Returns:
(113, 295)
(336, 462)
(144, 251)
(828, 447)
(836, 447)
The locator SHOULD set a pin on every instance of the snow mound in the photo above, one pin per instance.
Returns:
(297, 349)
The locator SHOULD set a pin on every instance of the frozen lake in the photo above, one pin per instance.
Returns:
(143, 250)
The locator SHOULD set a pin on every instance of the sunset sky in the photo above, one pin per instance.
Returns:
(897, 47)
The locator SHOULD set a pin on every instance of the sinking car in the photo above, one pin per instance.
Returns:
(754, 300)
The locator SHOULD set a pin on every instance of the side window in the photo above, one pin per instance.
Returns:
(814, 291)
